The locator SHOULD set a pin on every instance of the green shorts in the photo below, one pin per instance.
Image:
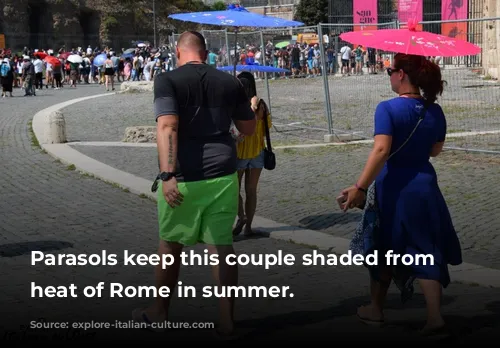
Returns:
(206, 215)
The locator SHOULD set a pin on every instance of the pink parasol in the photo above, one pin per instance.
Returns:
(411, 41)
(65, 55)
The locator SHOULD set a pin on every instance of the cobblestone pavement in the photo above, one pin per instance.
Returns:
(314, 177)
(470, 104)
(46, 206)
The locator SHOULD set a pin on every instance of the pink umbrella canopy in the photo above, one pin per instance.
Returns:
(411, 41)
(65, 55)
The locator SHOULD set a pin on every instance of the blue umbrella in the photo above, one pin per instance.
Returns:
(252, 68)
(235, 16)
(128, 55)
(100, 59)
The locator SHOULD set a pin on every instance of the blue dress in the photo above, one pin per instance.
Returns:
(414, 217)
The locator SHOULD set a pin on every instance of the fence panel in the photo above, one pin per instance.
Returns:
(316, 99)
(470, 99)
(296, 97)
(353, 94)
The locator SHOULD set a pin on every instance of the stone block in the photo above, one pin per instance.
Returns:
(137, 86)
(140, 134)
(54, 128)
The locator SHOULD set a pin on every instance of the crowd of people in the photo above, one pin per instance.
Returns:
(33, 70)
(305, 59)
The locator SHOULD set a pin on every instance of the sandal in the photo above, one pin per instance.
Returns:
(369, 321)
(223, 336)
(239, 227)
(139, 316)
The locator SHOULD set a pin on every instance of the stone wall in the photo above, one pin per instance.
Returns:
(491, 39)
(79, 23)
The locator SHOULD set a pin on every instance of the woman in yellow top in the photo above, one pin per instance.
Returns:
(250, 153)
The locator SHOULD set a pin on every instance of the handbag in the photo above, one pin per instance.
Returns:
(269, 156)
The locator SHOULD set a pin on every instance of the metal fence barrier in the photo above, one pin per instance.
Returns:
(470, 100)
(321, 103)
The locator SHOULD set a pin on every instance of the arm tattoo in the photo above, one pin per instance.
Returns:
(170, 150)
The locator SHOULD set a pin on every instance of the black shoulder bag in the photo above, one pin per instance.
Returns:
(269, 156)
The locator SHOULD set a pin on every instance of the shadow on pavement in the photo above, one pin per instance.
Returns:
(18, 249)
(322, 221)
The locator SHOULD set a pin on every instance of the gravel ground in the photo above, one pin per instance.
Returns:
(314, 177)
(470, 103)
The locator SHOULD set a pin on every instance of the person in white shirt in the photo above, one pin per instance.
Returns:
(38, 64)
(316, 60)
(141, 67)
(148, 69)
(86, 69)
(49, 75)
(345, 51)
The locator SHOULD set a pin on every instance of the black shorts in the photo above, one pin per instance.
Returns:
(371, 59)
(109, 72)
(345, 63)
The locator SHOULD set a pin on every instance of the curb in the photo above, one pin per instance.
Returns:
(466, 273)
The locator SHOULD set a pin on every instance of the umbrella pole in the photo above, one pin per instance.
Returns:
(266, 77)
(235, 49)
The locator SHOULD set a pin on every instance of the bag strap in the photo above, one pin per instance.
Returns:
(266, 128)
(420, 119)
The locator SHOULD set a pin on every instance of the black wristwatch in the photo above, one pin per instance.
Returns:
(166, 176)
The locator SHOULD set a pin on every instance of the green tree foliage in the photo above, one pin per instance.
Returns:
(219, 6)
(312, 12)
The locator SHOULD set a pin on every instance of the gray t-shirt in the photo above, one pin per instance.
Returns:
(206, 100)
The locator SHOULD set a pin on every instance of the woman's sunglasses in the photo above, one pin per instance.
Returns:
(391, 70)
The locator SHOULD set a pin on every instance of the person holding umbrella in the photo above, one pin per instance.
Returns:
(414, 217)
(74, 61)
(404, 211)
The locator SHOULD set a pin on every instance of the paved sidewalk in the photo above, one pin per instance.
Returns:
(46, 206)
(314, 177)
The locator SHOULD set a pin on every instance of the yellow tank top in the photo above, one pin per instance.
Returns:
(253, 145)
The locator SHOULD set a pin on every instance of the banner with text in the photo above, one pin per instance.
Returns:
(365, 12)
(454, 10)
(410, 9)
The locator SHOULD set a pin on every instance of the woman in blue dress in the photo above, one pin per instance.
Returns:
(413, 215)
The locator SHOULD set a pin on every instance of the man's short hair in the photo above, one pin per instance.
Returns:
(192, 40)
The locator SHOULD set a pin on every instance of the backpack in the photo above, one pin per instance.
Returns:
(4, 70)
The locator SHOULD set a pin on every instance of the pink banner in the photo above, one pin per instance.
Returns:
(365, 12)
(453, 10)
(411, 9)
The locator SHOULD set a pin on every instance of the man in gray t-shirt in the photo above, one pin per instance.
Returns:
(195, 105)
